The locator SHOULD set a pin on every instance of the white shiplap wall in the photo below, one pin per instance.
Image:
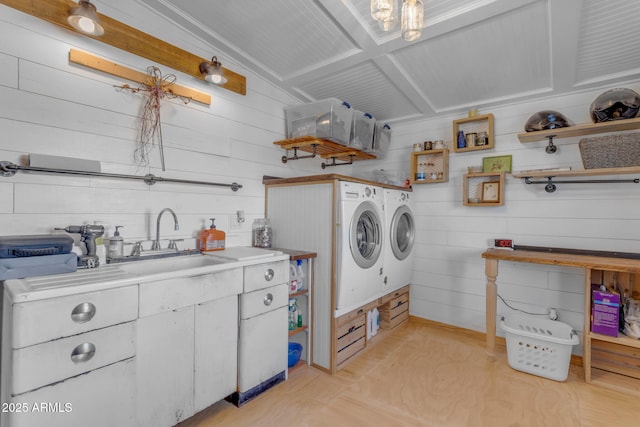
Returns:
(449, 281)
(50, 106)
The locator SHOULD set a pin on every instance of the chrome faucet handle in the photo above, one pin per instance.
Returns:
(137, 249)
(172, 243)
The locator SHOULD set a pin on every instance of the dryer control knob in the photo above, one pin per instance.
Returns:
(367, 192)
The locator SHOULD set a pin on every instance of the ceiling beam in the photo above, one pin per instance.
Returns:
(122, 36)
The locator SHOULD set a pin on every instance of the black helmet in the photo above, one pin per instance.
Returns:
(615, 104)
(547, 119)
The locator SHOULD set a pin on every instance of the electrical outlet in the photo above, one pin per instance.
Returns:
(237, 220)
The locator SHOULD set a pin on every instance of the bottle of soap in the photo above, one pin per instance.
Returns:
(300, 275)
(212, 239)
(116, 244)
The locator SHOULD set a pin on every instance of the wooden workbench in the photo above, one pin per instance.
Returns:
(596, 268)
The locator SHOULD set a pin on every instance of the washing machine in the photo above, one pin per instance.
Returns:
(360, 245)
(399, 238)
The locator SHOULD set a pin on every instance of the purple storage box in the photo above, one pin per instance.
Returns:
(605, 312)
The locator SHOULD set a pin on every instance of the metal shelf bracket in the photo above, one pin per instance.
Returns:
(333, 162)
(551, 148)
(550, 184)
(295, 154)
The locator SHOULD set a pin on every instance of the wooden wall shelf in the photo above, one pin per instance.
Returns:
(472, 188)
(581, 130)
(430, 162)
(476, 124)
(323, 148)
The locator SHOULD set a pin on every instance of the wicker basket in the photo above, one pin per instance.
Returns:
(615, 151)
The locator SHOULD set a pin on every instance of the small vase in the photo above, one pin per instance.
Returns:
(462, 143)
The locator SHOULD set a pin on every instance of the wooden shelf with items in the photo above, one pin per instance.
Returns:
(612, 361)
(581, 130)
(483, 189)
(324, 148)
(474, 125)
(432, 165)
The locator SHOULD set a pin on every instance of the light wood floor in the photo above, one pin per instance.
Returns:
(422, 374)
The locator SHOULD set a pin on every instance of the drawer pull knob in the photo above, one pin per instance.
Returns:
(268, 299)
(84, 312)
(351, 329)
(269, 274)
(360, 311)
(83, 352)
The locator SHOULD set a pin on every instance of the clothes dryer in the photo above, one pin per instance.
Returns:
(399, 238)
(360, 245)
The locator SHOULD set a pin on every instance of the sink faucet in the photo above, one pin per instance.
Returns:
(156, 244)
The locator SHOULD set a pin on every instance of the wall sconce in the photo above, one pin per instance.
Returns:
(212, 71)
(84, 19)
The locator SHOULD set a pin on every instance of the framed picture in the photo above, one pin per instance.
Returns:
(491, 191)
(496, 164)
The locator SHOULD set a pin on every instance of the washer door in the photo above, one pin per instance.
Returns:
(365, 235)
(402, 232)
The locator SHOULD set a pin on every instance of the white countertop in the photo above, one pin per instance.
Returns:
(135, 272)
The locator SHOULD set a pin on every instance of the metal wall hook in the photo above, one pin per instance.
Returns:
(551, 148)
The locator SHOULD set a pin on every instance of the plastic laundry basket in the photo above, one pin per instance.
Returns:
(539, 346)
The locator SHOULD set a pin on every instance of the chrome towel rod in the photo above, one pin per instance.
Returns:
(9, 169)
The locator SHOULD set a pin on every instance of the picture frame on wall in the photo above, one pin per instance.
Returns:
(497, 164)
(491, 192)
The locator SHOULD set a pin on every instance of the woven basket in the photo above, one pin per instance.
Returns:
(615, 151)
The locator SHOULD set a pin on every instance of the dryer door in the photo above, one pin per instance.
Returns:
(365, 235)
(402, 232)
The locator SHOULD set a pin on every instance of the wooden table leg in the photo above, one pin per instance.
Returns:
(491, 270)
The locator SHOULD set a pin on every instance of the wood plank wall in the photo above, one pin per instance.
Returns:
(50, 106)
(448, 275)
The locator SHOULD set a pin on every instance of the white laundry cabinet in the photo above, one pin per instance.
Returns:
(62, 355)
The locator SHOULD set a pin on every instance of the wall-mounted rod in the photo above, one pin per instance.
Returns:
(9, 169)
(550, 184)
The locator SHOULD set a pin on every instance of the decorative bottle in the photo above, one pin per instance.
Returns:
(462, 142)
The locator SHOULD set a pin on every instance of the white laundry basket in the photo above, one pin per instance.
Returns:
(539, 346)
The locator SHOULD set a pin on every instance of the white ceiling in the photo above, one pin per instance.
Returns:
(472, 53)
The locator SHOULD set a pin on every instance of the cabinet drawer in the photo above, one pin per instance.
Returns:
(261, 276)
(351, 335)
(172, 294)
(350, 350)
(50, 362)
(44, 320)
(104, 397)
(352, 324)
(263, 300)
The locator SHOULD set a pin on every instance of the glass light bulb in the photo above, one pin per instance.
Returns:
(381, 9)
(412, 19)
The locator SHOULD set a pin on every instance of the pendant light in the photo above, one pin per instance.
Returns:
(412, 19)
(85, 19)
(390, 22)
(212, 71)
(381, 9)
(386, 13)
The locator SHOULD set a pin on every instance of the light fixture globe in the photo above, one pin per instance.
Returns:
(412, 19)
(381, 10)
(85, 19)
(212, 71)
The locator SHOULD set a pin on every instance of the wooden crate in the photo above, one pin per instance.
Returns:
(395, 311)
(616, 358)
(350, 336)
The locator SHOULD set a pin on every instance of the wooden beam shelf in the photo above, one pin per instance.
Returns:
(550, 183)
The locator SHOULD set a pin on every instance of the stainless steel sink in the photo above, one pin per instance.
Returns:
(145, 266)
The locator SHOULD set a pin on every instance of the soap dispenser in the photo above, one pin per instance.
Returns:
(212, 239)
(116, 244)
